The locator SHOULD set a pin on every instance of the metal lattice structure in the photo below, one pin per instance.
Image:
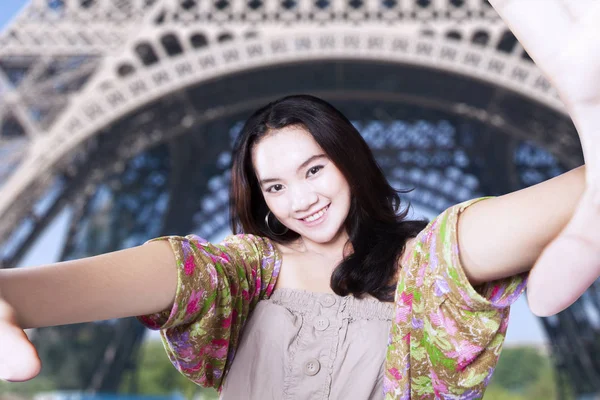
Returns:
(123, 112)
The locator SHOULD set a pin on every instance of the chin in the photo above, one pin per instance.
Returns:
(323, 237)
(320, 239)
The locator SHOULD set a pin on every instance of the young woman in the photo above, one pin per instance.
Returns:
(329, 292)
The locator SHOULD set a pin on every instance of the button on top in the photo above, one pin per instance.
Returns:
(327, 301)
(312, 367)
(321, 323)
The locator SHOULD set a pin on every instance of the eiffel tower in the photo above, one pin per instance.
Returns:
(121, 113)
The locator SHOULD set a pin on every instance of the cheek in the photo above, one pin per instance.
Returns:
(341, 185)
(277, 205)
(343, 192)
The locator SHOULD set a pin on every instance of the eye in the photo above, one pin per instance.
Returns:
(275, 188)
(314, 169)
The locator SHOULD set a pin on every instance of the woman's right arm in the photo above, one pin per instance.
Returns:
(198, 295)
(136, 281)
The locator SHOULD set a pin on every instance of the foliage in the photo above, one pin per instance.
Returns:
(29, 388)
(518, 367)
(156, 375)
(523, 373)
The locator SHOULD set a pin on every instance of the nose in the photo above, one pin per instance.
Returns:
(303, 197)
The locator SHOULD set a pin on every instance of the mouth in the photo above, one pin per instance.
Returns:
(317, 217)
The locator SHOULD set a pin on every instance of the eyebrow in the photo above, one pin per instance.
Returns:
(302, 166)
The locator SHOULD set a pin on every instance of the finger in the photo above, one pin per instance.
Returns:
(564, 271)
(579, 9)
(569, 265)
(7, 313)
(585, 117)
(19, 360)
(541, 26)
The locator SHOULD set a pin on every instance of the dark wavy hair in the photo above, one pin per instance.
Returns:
(377, 230)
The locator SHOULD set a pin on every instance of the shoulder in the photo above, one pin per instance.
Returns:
(247, 239)
(252, 248)
(445, 223)
(440, 234)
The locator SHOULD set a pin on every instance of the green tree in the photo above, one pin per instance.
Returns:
(156, 375)
(518, 367)
(29, 388)
(524, 373)
(498, 393)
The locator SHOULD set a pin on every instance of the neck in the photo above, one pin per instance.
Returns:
(335, 248)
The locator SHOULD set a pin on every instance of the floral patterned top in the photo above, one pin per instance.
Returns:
(444, 342)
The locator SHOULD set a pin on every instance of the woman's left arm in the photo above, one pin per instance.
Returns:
(552, 227)
(505, 235)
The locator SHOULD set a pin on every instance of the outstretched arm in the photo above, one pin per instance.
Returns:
(552, 226)
(198, 294)
(131, 282)
(136, 281)
(505, 235)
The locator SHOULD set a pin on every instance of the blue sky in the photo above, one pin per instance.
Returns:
(8, 9)
(523, 327)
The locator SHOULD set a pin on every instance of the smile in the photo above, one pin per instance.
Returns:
(316, 217)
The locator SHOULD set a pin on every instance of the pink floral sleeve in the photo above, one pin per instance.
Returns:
(447, 335)
(218, 286)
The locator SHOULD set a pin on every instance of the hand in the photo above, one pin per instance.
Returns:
(19, 360)
(561, 36)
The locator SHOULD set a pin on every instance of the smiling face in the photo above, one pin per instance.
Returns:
(303, 189)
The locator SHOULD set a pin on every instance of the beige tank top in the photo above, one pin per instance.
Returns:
(305, 345)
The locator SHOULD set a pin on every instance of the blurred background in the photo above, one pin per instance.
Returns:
(117, 119)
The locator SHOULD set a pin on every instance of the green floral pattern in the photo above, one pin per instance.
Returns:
(444, 342)
(218, 286)
(447, 335)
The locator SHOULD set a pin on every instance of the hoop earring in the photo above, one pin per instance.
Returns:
(269, 227)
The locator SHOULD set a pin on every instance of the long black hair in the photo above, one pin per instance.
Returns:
(377, 230)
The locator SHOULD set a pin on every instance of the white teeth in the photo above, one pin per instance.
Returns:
(315, 216)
